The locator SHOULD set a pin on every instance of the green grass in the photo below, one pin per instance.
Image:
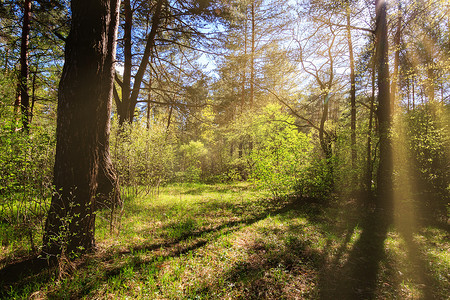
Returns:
(195, 241)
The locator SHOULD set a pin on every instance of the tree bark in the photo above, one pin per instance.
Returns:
(24, 99)
(252, 59)
(369, 161)
(126, 86)
(84, 107)
(385, 168)
(324, 139)
(352, 91)
(244, 67)
(395, 79)
(129, 101)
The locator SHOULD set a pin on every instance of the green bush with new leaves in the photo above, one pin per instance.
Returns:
(279, 153)
(144, 158)
(26, 171)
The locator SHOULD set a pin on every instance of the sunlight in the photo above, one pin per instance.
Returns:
(404, 186)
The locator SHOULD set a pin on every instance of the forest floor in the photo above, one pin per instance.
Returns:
(196, 241)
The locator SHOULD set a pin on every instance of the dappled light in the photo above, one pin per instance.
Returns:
(225, 149)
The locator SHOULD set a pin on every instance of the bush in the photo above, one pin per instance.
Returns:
(429, 142)
(26, 174)
(279, 151)
(316, 181)
(191, 156)
(143, 158)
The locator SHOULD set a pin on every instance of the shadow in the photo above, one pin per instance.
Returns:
(278, 207)
(285, 269)
(35, 270)
(357, 278)
(16, 274)
(421, 272)
(297, 252)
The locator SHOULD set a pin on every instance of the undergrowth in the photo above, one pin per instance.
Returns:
(196, 241)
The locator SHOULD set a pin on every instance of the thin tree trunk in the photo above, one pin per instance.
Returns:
(369, 136)
(409, 94)
(430, 81)
(149, 96)
(323, 137)
(395, 96)
(33, 96)
(84, 108)
(24, 100)
(244, 68)
(352, 91)
(126, 84)
(252, 59)
(169, 118)
(156, 19)
(149, 109)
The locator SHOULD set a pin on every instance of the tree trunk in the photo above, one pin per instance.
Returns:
(133, 98)
(24, 100)
(84, 107)
(369, 166)
(126, 85)
(352, 91)
(395, 79)
(325, 142)
(385, 168)
(244, 67)
(252, 60)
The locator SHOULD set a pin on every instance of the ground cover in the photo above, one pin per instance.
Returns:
(230, 241)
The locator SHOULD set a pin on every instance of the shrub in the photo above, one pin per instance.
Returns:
(26, 173)
(143, 158)
(279, 151)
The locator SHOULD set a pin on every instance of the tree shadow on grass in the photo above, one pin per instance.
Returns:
(421, 268)
(35, 271)
(357, 279)
(17, 274)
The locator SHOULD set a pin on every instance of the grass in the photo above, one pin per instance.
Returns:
(195, 241)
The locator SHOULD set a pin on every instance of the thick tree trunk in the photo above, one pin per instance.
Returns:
(84, 107)
(385, 168)
(108, 190)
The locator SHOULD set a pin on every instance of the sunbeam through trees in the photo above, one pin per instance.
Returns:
(224, 149)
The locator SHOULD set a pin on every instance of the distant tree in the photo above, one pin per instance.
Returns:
(31, 38)
(84, 108)
(317, 57)
(155, 36)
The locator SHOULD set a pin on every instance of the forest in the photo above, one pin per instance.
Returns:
(224, 149)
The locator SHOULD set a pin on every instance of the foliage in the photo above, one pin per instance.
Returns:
(316, 181)
(144, 158)
(226, 241)
(26, 168)
(279, 151)
(429, 142)
(191, 156)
